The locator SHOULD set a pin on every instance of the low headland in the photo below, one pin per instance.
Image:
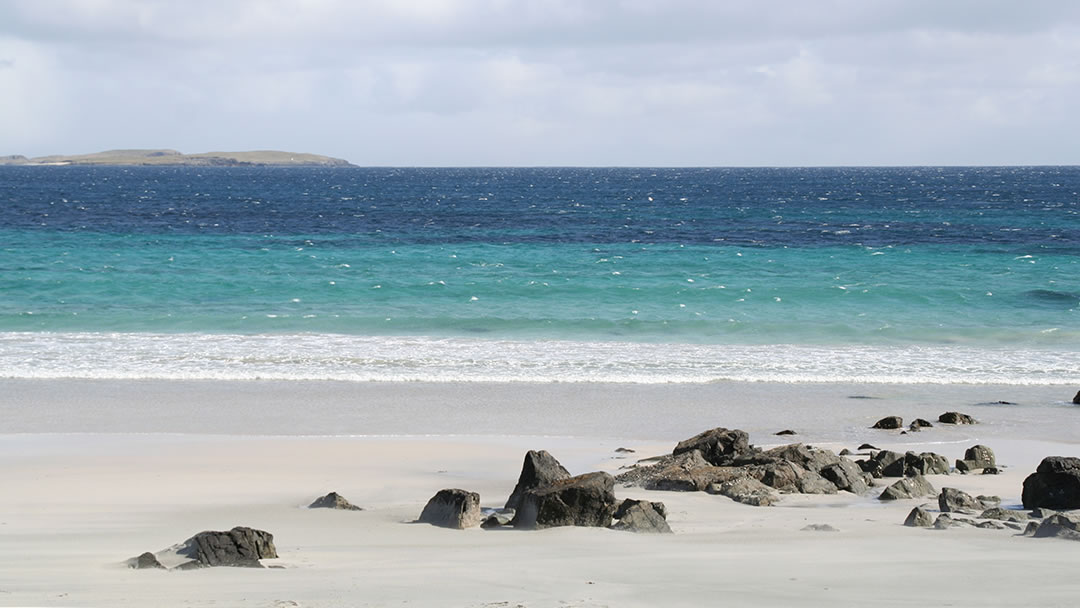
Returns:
(166, 157)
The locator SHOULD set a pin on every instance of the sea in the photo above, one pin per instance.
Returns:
(940, 275)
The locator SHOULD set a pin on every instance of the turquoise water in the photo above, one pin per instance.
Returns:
(681, 275)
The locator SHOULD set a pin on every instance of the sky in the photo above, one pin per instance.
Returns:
(549, 82)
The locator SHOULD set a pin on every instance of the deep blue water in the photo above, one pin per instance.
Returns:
(697, 271)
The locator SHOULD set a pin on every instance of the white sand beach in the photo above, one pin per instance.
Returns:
(95, 472)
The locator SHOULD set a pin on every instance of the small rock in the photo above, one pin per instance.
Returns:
(953, 500)
(920, 423)
(785, 432)
(909, 487)
(745, 490)
(866, 446)
(845, 452)
(1041, 512)
(146, 561)
(641, 516)
(1031, 528)
(624, 451)
(948, 521)
(991, 471)
(981, 455)
(1076, 399)
(990, 524)
(956, 418)
(889, 423)
(333, 500)
(819, 528)
(453, 508)
(919, 518)
(988, 502)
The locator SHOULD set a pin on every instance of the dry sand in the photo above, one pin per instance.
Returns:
(77, 499)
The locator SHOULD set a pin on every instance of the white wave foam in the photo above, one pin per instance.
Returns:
(402, 359)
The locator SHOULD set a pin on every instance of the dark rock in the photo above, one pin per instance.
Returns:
(745, 490)
(539, 469)
(956, 418)
(785, 432)
(819, 528)
(146, 561)
(1004, 515)
(845, 452)
(889, 422)
(908, 487)
(866, 446)
(847, 476)
(926, 463)
(1059, 526)
(921, 423)
(333, 500)
(991, 471)
(719, 446)
(787, 476)
(585, 500)
(1076, 399)
(919, 518)
(953, 500)
(883, 463)
(624, 451)
(452, 508)
(966, 466)
(981, 455)
(1055, 484)
(641, 516)
(239, 547)
(1040, 512)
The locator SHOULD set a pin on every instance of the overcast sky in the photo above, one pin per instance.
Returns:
(549, 82)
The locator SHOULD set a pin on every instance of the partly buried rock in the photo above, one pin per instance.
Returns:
(1059, 526)
(745, 490)
(452, 508)
(889, 422)
(908, 487)
(919, 518)
(539, 469)
(585, 500)
(1055, 484)
(956, 418)
(953, 500)
(333, 500)
(946, 520)
(1004, 515)
(819, 528)
(787, 476)
(893, 464)
(719, 446)
(785, 432)
(146, 561)
(239, 547)
(920, 423)
(498, 518)
(822, 468)
(641, 516)
(1076, 399)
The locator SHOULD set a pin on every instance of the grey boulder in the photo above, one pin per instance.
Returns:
(584, 500)
(919, 518)
(719, 446)
(954, 500)
(1059, 526)
(956, 418)
(1055, 484)
(889, 422)
(745, 490)
(452, 508)
(539, 469)
(908, 487)
(239, 547)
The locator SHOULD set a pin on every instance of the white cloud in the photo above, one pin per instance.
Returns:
(548, 81)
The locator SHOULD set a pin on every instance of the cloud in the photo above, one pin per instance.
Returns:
(549, 81)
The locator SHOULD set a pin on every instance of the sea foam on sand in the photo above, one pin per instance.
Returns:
(97, 472)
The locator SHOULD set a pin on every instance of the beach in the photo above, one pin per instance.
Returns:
(97, 472)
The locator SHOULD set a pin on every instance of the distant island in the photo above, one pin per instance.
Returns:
(161, 158)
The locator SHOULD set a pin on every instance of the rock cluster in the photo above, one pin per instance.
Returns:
(722, 461)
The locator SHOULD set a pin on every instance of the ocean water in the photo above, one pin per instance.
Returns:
(900, 275)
